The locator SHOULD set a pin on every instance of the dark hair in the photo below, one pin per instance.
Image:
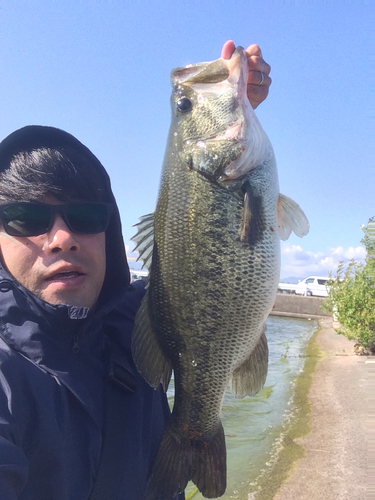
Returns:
(63, 172)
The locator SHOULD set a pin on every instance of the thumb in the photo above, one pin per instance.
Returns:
(228, 49)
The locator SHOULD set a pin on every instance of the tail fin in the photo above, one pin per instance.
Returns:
(210, 466)
(179, 460)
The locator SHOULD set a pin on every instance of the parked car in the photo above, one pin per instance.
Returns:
(313, 285)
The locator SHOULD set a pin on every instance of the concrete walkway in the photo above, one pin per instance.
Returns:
(335, 466)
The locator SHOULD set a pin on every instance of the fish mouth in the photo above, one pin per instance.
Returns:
(213, 72)
(220, 76)
(238, 126)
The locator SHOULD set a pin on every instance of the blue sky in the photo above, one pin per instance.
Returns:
(100, 70)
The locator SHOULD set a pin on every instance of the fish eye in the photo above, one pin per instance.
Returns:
(184, 105)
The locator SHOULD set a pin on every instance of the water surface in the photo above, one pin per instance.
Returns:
(250, 423)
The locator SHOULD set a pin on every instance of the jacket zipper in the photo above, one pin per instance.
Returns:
(76, 347)
(75, 344)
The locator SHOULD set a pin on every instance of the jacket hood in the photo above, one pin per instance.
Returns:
(33, 137)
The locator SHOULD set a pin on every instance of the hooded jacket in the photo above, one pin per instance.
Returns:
(57, 366)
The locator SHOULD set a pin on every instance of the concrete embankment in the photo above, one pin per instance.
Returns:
(333, 463)
(298, 306)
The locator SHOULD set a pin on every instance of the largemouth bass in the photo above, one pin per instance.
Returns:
(213, 250)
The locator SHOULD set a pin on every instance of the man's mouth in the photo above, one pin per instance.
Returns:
(65, 272)
(64, 275)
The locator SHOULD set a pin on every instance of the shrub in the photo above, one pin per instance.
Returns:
(352, 296)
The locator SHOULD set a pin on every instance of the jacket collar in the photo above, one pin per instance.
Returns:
(61, 340)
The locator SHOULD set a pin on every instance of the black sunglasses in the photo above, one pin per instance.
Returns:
(32, 219)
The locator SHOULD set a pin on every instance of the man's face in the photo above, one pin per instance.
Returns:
(60, 267)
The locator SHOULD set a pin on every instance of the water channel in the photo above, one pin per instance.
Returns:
(251, 423)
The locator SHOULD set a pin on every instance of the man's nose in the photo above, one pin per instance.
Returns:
(60, 238)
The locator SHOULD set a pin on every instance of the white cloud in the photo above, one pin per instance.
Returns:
(295, 261)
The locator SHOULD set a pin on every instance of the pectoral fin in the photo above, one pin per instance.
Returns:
(144, 239)
(148, 357)
(290, 217)
(252, 228)
(249, 378)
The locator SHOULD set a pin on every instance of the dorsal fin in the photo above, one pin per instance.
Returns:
(144, 239)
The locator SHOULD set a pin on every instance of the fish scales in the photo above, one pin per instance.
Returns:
(214, 272)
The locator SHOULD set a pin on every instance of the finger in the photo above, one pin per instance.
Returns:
(254, 50)
(256, 63)
(257, 94)
(255, 78)
(228, 49)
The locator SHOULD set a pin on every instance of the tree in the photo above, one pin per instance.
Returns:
(352, 294)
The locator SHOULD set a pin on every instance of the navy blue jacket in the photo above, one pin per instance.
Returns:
(53, 370)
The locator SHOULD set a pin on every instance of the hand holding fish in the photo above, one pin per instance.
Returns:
(258, 80)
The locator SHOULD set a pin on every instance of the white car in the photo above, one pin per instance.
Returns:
(313, 285)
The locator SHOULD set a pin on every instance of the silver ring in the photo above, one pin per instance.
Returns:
(261, 78)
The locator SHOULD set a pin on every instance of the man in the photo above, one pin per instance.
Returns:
(77, 421)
